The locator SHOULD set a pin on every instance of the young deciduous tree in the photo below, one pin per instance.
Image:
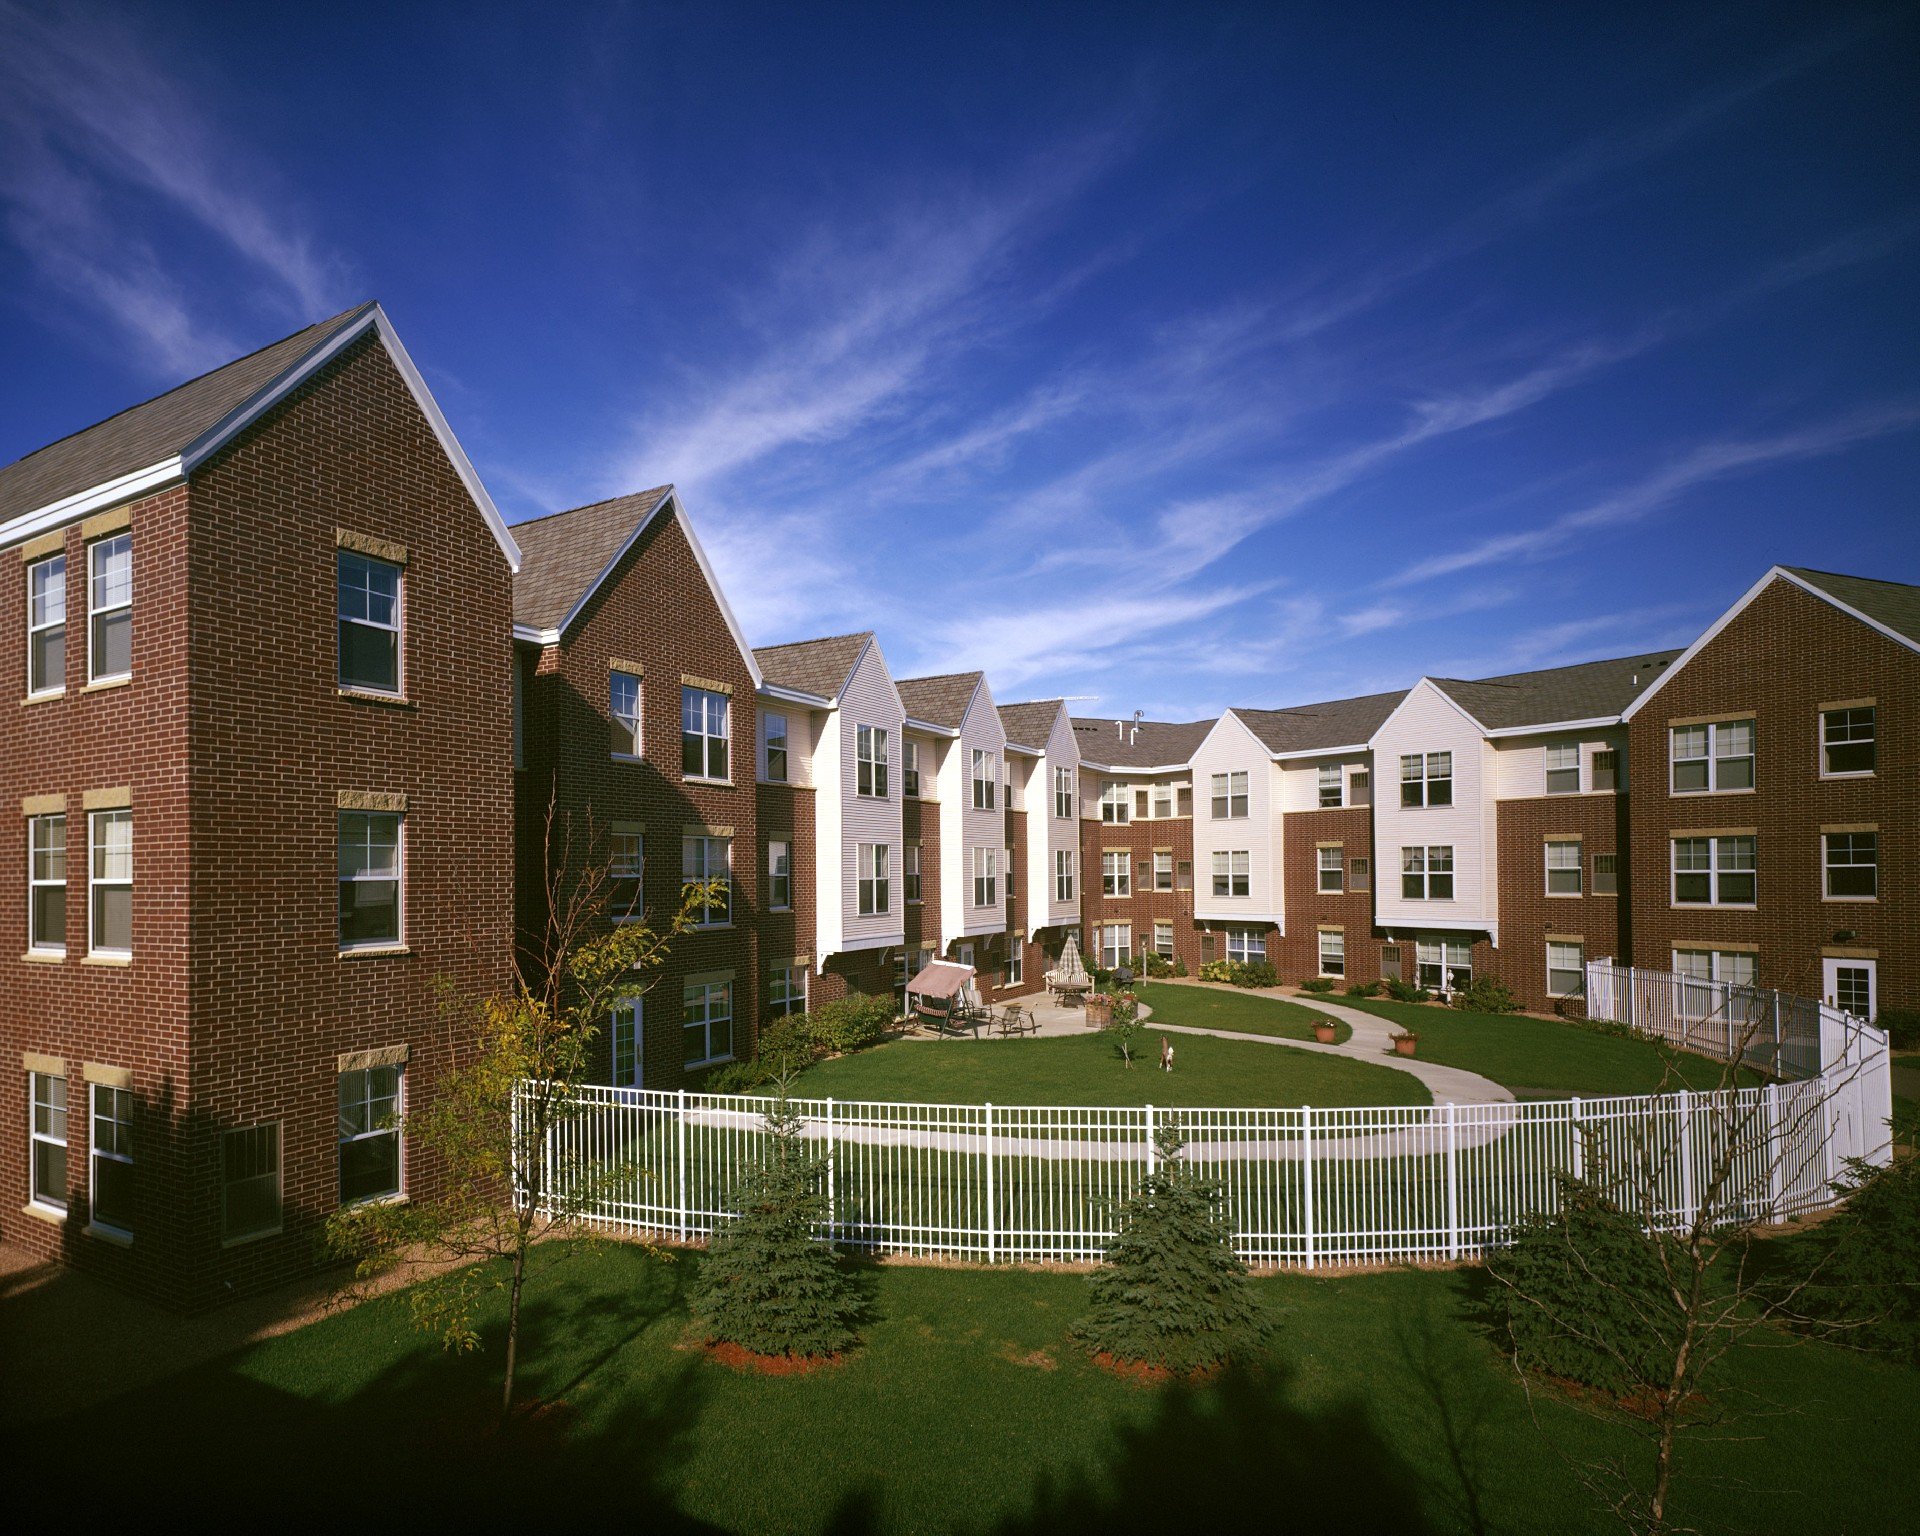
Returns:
(1172, 1292)
(490, 1121)
(1123, 1028)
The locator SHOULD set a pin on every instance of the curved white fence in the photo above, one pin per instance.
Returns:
(1305, 1187)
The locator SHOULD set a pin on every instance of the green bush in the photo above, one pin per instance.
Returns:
(1155, 966)
(1406, 991)
(1318, 984)
(1902, 1026)
(1867, 1284)
(738, 1077)
(1486, 994)
(1580, 1295)
(1217, 970)
(1363, 989)
(849, 1024)
(1257, 973)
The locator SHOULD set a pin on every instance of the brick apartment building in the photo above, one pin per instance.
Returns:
(254, 837)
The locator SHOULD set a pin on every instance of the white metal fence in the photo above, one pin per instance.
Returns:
(1301, 1187)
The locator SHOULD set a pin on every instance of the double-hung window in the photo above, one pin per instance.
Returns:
(368, 613)
(986, 777)
(1331, 777)
(628, 1020)
(870, 761)
(1063, 874)
(1063, 793)
(47, 1140)
(1247, 945)
(371, 857)
(1233, 873)
(1426, 779)
(706, 1022)
(1847, 741)
(1163, 869)
(111, 1156)
(1442, 962)
(626, 873)
(623, 709)
(369, 1135)
(47, 884)
(249, 1182)
(110, 884)
(1016, 972)
(1714, 871)
(873, 879)
(1116, 945)
(910, 871)
(1333, 952)
(1606, 874)
(1229, 796)
(985, 876)
(1116, 874)
(1715, 756)
(1426, 874)
(1563, 769)
(704, 741)
(1359, 874)
(779, 876)
(910, 769)
(1566, 968)
(786, 991)
(1563, 868)
(1332, 869)
(47, 625)
(110, 608)
(708, 860)
(1115, 803)
(775, 727)
(1852, 864)
(1163, 940)
(1162, 802)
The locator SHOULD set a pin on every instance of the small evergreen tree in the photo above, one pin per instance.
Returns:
(767, 1284)
(1172, 1292)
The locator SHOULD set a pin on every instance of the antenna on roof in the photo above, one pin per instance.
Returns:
(1133, 736)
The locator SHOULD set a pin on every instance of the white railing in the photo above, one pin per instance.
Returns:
(1301, 1187)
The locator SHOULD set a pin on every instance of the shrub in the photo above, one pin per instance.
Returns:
(1318, 984)
(737, 1077)
(1868, 1281)
(1902, 1026)
(1217, 970)
(848, 1024)
(1363, 989)
(766, 1284)
(1179, 966)
(1153, 965)
(1406, 991)
(1581, 1295)
(1172, 1292)
(1486, 994)
(1257, 973)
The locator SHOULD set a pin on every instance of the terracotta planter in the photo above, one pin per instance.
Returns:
(1099, 1015)
(1324, 1033)
(1405, 1044)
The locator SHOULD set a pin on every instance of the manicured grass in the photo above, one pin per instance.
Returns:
(1378, 1404)
(1245, 1013)
(1083, 1069)
(1545, 1058)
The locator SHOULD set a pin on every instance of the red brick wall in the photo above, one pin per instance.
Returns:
(1527, 913)
(1297, 956)
(1785, 655)
(1141, 910)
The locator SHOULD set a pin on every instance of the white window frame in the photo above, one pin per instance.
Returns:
(1360, 787)
(909, 768)
(714, 1002)
(374, 1131)
(985, 780)
(1603, 772)
(1016, 971)
(398, 878)
(786, 991)
(1578, 968)
(96, 882)
(1333, 781)
(910, 873)
(1228, 795)
(1062, 874)
(1115, 945)
(1331, 862)
(1723, 863)
(53, 1114)
(1611, 875)
(985, 877)
(625, 718)
(1333, 952)
(1116, 803)
(118, 1104)
(1162, 802)
(1563, 758)
(1564, 861)
(1713, 736)
(1232, 873)
(50, 574)
(1450, 960)
(1116, 872)
(1422, 775)
(1849, 726)
(343, 559)
(96, 610)
(774, 740)
(873, 895)
(697, 865)
(698, 707)
(37, 882)
(1163, 940)
(1063, 794)
(1852, 844)
(1163, 869)
(1427, 866)
(779, 875)
(627, 862)
(870, 761)
(1247, 946)
(626, 1041)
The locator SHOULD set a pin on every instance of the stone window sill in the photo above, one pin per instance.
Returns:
(45, 957)
(374, 952)
(47, 1213)
(105, 683)
(371, 696)
(112, 1235)
(111, 961)
(45, 697)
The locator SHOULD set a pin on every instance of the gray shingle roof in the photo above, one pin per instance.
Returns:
(940, 700)
(155, 430)
(820, 667)
(1157, 744)
(1321, 727)
(1588, 691)
(565, 553)
(1892, 603)
(1029, 725)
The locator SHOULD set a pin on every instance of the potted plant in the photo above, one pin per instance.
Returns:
(1405, 1041)
(1324, 1030)
(1099, 1009)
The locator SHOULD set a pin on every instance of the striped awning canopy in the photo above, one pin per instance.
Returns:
(940, 978)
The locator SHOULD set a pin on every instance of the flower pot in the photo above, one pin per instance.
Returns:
(1324, 1033)
(1099, 1014)
(1405, 1044)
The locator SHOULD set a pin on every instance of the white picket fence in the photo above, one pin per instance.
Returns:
(1301, 1187)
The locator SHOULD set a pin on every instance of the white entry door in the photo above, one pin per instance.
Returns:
(1853, 986)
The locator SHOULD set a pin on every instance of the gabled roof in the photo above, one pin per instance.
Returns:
(162, 440)
(1893, 605)
(1030, 724)
(567, 554)
(1155, 744)
(942, 700)
(1590, 690)
(1321, 727)
(820, 667)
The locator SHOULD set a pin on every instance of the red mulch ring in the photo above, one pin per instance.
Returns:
(734, 1357)
(1143, 1374)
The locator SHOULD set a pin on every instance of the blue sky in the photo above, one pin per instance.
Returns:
(1171, 357)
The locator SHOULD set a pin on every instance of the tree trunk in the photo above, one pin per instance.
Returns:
(513, 1328)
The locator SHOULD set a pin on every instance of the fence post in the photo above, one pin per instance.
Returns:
(1149, 1139)
(519, 1152)
(1306, 1174)
(1632, 1020)
(987, 1132)
(832, 1225)
(1686, 1156)
(1453, 1183)
(1579, 1159)
(680, 1162)
(1770, 1098)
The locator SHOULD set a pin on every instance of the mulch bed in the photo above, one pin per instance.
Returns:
(736, 1358)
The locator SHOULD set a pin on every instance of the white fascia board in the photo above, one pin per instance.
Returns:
(1311, 752)
(1026, 751)
(1593, 722)
(1846, 608)
(1237, 919)
(108, 493)
(928, 728)
(782, 695)
(536, 636)
(1699, 645)
(862, 945)
(1402, 932)
(982, 928)
(1087, 762)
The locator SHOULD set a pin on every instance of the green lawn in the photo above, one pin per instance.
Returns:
(1246, 1013)
(1083, 1069)
(1380, 1404)
(1544, 1058)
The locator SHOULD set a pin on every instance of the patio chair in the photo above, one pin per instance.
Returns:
(1015, 1019)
